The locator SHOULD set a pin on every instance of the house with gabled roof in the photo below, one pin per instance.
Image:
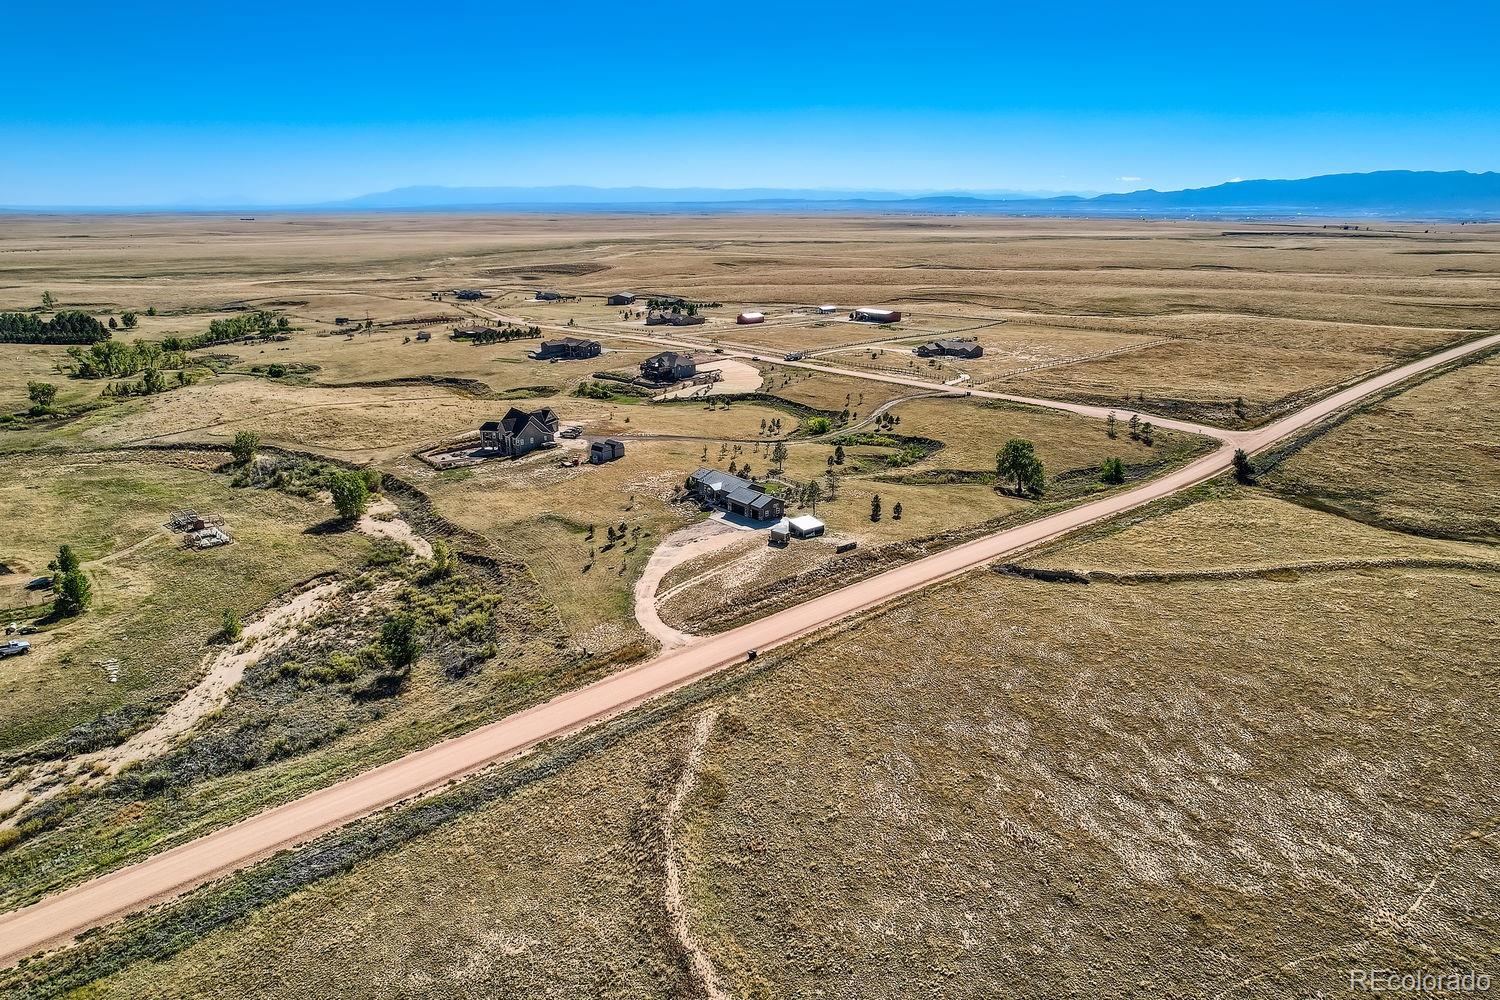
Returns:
(669, 366)
(734, 495)
(568, 347)
(949, 348)
(519, 432)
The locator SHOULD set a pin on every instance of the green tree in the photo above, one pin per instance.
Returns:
(778, 455)
(1018, 460)
(66, 561)
(128, 320)
(350, 494)
(244, 447)
(231, 628)
(73, 593)
(1244, 469)
(373, 479)
(875, 507)
(1109, 425)
(1135, 426)
(1148, 433)
(398, 640)
(48, 302)
(838, 454)
(1112, 471)
(153, 382)
(150, 310)
(42, 396)
(113, 324)
(896, 511)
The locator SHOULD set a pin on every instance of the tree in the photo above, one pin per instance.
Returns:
(350, 495)
(875, 507)
(113, 324)
(42, 396)
(231, 628)
(66, 561)
(1244, 469)
(1109, 424)
(1148, 433)
(1018, 460)
(48, 302)
(896, 511)
(398, 640)
(1112, 472)
(778, 455)
(73, 592)
(153, 382)
(373, 479)
(1135, 426)
(150, 310)
(128, 320)
(838, 454)
(246, 444)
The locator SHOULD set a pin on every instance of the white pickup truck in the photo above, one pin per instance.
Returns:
(14, 647)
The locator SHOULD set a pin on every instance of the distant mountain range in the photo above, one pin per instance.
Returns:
(1389, 194)
(1381, 194)
(577, 194)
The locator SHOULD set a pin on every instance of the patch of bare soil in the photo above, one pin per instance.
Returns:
(382, 521)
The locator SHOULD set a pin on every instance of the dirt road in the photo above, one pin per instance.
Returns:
(57, 919)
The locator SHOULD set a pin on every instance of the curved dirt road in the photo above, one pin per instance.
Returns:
(59, 918)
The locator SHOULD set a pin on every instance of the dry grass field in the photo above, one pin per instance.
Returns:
(1425, 460)
(1230, 745)
(1245, 783)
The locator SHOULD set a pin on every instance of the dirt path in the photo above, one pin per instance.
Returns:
(698, 960)
(58, 918)
(224, 670)
(677, 548)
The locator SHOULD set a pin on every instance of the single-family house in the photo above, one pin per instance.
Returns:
(949, 348)
(734, 495)
(569, 348)
(519, 432)
(669, 366)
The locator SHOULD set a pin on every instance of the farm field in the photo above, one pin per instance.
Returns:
(1225, 742)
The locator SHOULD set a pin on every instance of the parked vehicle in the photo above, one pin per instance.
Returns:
(14, 647)
(794, 356)
(570, 432)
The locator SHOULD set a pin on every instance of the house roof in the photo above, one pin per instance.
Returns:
(806, 523)
(570, 342)
(516, 420)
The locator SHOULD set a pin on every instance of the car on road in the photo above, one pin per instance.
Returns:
(794, 356)
(14, 647)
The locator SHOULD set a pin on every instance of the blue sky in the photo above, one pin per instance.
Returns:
(288, 102)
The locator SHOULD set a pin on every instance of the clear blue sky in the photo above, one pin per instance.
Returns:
(167, 102)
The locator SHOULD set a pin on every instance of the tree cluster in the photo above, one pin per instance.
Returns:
(247, 326)
(68, 327)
